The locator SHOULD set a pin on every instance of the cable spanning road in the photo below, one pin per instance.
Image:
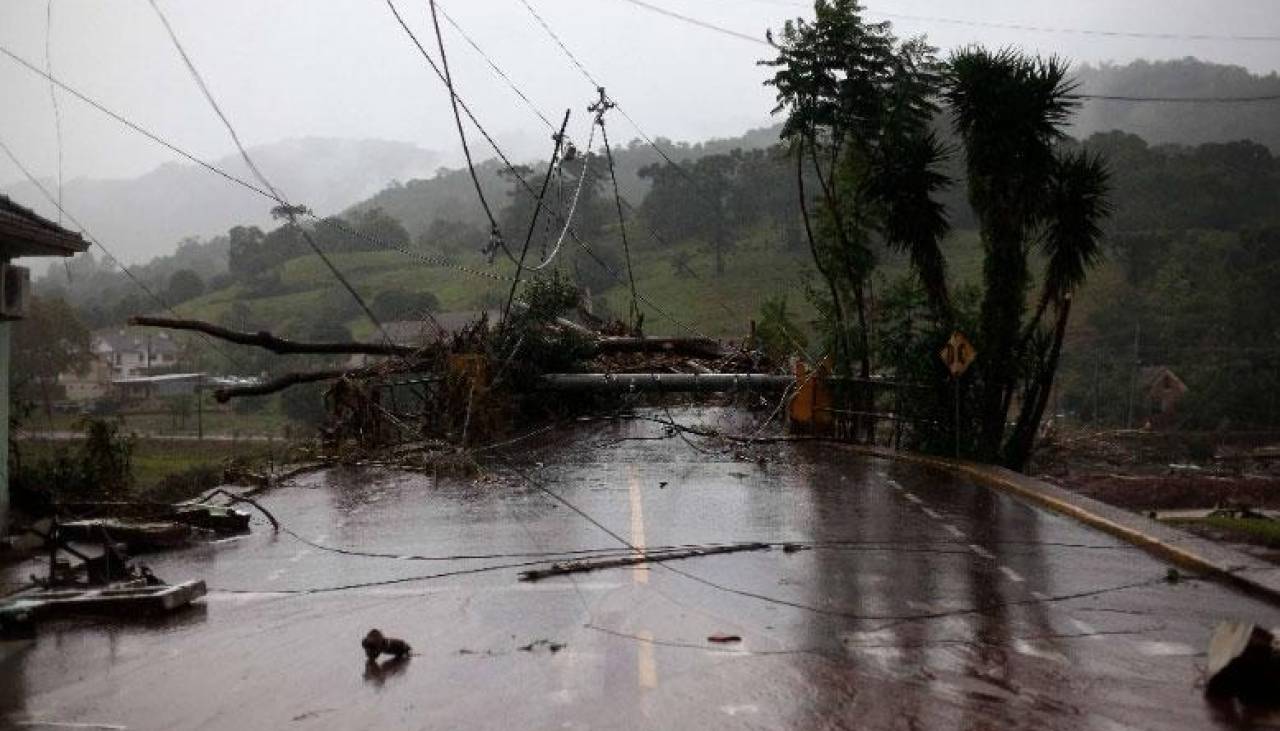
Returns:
(920, 601)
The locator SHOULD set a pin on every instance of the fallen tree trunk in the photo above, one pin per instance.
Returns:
(277, 345)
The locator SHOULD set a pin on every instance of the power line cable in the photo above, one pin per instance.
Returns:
(700, 23)
(600, 107)
(57, 113)
(573, 205)
(586, 248)
(247, 185)
(110, 255)
(1001, 25)
(533, 221)
(287, 208)
(495, 233)
(1177, 99)
(1016, 26)
(648, 140)
(494, 66)
(560, 43)
(53, 99)
(1081, 31)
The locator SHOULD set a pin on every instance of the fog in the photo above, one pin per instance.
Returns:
(344, 68)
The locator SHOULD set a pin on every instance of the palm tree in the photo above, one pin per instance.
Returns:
(1010, 111)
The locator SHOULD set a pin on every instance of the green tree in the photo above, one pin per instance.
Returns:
(184, 285)
(245, 251)
(859, 105)
(399, 304)
(48, 342)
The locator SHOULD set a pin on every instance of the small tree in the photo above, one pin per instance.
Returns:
(48, 342)
(184, 285)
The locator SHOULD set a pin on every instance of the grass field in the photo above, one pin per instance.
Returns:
(718, 306)
(268, 423)
(162, 463)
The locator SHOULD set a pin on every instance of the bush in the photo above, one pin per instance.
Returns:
(101, 467)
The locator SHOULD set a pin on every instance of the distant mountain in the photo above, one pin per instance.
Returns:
(450, 194)
(145, 217)
(1187, 124)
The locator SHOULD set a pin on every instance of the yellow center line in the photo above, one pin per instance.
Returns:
(647, 668)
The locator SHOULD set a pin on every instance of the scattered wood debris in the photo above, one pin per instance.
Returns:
(552, 647)
(583, 566)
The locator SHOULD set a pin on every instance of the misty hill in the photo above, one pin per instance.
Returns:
(450, 194)
(1186, 124)
(147, 216)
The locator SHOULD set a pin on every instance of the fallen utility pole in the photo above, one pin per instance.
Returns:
(580, 567)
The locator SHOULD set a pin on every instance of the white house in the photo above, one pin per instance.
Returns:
(131, 352)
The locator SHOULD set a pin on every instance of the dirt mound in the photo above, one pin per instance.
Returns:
(1166, 492)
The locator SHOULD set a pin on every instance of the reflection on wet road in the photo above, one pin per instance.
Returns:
(920, 601)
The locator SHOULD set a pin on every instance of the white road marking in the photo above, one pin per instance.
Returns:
(641, 574)
(953, 530)
(982, 552)
(1039, 597)
(646, 666)
(1013, 576)
(1085, 629)
(911, 497)
(1026, 648)
(930, 513)
(1166, 649)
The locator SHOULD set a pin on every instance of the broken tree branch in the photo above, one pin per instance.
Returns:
(280, 383)
(277, 345)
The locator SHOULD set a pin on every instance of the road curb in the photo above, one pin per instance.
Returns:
(1188, 551)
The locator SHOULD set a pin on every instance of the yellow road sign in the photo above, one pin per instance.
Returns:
(958, 354)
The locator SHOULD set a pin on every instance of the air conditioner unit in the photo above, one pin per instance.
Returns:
(15, 291)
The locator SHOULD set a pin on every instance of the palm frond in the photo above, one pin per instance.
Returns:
(906, 181)
(1075, 208)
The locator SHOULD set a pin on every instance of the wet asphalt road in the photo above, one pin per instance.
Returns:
(926, 602)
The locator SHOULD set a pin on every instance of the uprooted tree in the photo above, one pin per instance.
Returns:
(472, 382)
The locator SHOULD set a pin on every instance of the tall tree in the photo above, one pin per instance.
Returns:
(859, 103)
(1010, 111)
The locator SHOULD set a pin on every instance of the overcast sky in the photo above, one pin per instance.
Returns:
(344, 68)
